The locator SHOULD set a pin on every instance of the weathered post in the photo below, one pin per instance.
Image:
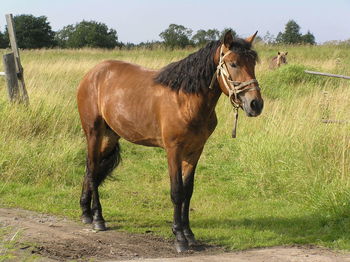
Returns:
(19, 69)
(11, 76)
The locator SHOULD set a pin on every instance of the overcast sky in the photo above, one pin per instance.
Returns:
(142, 20)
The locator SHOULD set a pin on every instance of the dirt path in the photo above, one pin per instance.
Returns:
(58, 239)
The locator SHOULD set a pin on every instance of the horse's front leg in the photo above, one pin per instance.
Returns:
(188, 169)
(177, 197)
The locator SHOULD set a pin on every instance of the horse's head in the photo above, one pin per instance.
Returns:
(236, 73)
(281, 58)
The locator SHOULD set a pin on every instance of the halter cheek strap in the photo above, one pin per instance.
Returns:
(233, 87)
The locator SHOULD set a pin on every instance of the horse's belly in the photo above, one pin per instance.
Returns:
(136, 130)
(136, 137)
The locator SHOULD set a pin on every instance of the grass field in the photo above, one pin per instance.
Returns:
(284, 180)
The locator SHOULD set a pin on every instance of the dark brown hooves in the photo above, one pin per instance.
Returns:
(191, 240)
(181, 246)
(86, 219)
(190, 237)
(99, 226)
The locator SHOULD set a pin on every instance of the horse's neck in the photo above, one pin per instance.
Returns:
(204, 104)
(213, 98)
(279, 61)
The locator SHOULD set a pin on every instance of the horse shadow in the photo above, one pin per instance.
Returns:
(316, 228)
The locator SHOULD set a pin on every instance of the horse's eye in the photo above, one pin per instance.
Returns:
(233, 64)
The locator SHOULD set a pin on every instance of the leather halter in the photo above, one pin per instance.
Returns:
(233, 87)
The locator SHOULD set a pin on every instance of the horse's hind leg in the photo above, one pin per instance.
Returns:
(94, 132)
(103, 157)
(85, 199)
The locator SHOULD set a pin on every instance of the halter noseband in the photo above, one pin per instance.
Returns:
(233, 87)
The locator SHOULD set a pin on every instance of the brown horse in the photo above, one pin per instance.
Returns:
(279, 60)
(173, 108)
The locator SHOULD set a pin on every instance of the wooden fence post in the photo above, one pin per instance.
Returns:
(19, 69)
(11, 76)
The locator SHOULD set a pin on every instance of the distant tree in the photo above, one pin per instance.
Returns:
(291, 33)
(32, 32)
(258, 39)
(223, 32)
(87, 34)
(176, 36)
(308, 38)
(213, 34)
(150, 45)
(128, 45)
(62, 36)
(202, 37)
(345, 43)
(269, 38)
(3, 42)
(279, 38)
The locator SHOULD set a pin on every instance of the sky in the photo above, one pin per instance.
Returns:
(143, 20)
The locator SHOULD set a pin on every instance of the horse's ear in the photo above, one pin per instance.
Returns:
(278, 53)
(251, 38)
(286, 53)
(228, 39)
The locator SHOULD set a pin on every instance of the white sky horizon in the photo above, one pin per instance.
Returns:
(140, 21)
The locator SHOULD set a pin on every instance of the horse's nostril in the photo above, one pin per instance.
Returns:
(256, 105)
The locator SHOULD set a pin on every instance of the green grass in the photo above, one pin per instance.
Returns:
(5, 244)
(284, 180)
(8, 241)
(13, 248)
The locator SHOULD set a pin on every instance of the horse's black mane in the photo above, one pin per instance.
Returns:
(193, 74)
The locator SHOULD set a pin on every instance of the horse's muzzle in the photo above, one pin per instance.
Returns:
(253, 107)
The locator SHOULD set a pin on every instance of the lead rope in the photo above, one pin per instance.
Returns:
(235, 121)
(233, 87)
(220, 72)
(232, 95)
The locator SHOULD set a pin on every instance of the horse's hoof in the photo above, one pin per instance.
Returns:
(86, 219)
(181, 246)
(190, 237)
(99, 226)
(191, 240)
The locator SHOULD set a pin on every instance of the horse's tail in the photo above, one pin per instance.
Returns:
(108, 163)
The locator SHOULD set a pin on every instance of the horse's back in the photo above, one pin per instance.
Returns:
(127, 98)
(137, 108)
(113, 70)
(110, 76)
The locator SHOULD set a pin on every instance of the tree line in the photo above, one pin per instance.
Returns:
(35, 32)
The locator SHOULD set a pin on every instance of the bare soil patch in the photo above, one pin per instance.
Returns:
(59, 239)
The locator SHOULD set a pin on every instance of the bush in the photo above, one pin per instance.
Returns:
(32, 32)
(87, 34)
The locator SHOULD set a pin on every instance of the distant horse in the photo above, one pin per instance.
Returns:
(173, 108)
(279, 60)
